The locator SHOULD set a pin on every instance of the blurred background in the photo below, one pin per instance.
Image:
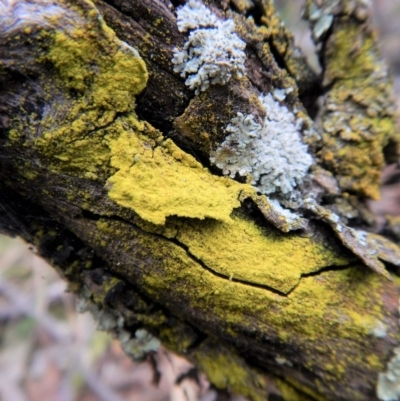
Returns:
(49, 352)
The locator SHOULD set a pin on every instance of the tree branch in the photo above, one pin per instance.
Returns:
(107, 166)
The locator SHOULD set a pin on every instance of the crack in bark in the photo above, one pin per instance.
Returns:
(95, 217)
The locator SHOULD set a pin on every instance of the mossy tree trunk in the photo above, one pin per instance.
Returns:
(106, 168)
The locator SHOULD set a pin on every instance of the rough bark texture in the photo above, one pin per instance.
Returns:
(105, 168)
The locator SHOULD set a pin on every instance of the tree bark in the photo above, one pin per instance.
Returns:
(106, 169)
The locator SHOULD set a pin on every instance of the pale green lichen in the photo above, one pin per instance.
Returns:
(213, 52)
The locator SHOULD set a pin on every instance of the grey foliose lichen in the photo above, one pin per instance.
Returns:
(213, 52)
(271, 154)
(194, 15)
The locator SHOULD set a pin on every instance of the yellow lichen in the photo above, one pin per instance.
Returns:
(246, 252)
(329, 307)
(161, 181)
(155, 180)
(176, 339)
(358, 123)
(226, 370)
(106, 75)
(220, 263)
(93, 58)
(165, 181)
(316, 299)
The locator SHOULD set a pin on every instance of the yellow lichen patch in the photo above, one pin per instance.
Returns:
(361, 47)
(226, 370)
(358, 118)
(340, 306)
(338, 300)
(97, 78)
(155, 181)
(86, 157)
(93, 58)
(263, 256)
(319, 300)
(165, 181)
